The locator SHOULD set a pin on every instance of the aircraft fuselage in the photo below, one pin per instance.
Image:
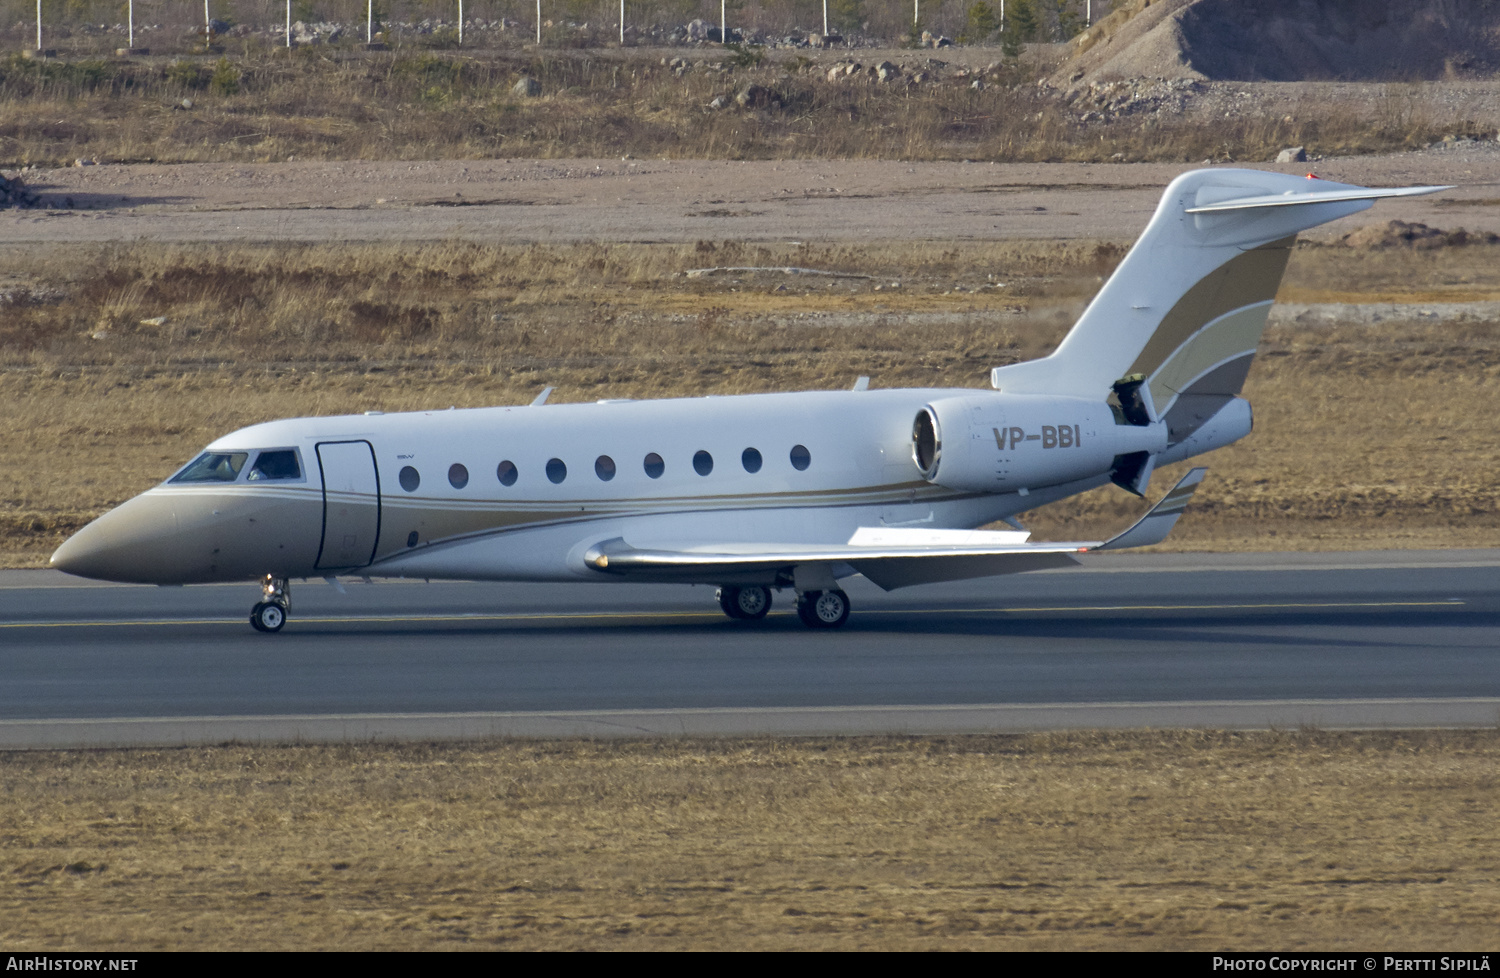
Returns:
(517, 493)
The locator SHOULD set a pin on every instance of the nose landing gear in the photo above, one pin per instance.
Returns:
(270, 613)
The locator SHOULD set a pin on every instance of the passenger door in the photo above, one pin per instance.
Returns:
(351, 504)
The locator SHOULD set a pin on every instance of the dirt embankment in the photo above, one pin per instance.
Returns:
(1289, 40)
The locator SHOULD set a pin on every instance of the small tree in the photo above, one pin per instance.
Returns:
(981, 24)
(1069, 19)
(1021, 25)
(846, 16)
(1021, 17)
(225, 80)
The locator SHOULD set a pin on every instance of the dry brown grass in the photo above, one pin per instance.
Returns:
(1104, 841)
(1368, 436)
(266, 104)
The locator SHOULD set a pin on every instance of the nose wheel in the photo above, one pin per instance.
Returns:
(270, 613)
(823, 609)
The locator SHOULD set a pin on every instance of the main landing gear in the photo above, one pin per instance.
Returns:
(817, 609)
(746, 603)
(270, 613)
(823, 609)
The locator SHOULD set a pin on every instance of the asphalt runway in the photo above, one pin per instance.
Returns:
(1244, 641)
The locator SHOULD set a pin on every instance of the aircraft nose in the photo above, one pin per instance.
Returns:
(121, 544)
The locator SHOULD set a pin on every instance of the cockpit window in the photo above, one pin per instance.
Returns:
(278, 464)
(214, 467)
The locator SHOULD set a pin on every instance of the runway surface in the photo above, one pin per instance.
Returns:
(1333, 640)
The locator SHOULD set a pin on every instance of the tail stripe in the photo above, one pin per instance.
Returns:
(1224, 339)
(1248, 279)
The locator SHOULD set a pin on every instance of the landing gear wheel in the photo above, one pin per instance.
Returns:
(748, 603)
(823, 609)
(267, 616)
(270, 612)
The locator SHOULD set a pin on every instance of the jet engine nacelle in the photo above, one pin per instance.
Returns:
(1006, 442)
(1229, 424)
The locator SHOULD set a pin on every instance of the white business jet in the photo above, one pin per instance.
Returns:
(760, 492)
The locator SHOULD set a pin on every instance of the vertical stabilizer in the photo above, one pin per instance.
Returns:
(1183, 313)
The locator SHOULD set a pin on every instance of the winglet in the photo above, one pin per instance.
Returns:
(1158, 522)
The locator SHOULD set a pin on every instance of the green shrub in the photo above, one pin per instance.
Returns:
(187, 74)
(226, 78)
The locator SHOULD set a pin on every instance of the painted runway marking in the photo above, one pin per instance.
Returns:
(712, 615)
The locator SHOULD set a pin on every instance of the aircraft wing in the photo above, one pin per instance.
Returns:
(891, 557)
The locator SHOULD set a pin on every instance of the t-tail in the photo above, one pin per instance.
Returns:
(1171, 335)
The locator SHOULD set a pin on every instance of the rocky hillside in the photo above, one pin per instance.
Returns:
(1291, 40)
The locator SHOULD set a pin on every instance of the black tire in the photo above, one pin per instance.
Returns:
(729, 601)
(823, 609)
(745, 603)
(267, 616)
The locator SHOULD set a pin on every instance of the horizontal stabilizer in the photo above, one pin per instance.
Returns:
(1158, 522)
(1292, 198)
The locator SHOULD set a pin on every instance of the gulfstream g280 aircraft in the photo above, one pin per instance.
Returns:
(761, 492)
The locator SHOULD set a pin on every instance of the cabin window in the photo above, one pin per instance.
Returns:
(703, 463)
(458, 476)
(801, 458)
(214, 467)
(604, 468)
(279, 464)
(556, 470)
(655, 466)
(750, 459)
(506, 473)
(409, 478)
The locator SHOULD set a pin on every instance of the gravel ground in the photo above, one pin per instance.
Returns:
(681, 201)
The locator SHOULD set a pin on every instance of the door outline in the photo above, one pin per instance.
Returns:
(323, 476)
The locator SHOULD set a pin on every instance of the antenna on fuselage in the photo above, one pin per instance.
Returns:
(542, 397)
(862, 384)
